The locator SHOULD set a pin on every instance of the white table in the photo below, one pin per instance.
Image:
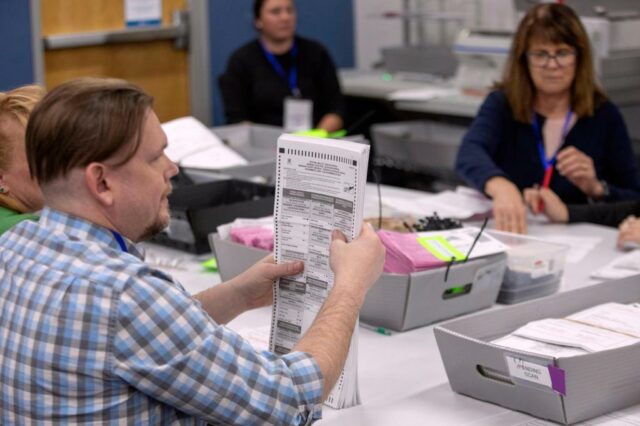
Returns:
(402, 378)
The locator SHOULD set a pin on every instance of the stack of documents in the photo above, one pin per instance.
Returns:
(253, 236)
(191, 144)
(463, 203)
(319, 187)
(603, 327)
(411, 252)
(405, 254)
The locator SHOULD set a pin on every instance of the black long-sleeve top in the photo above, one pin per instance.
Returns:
(252, 90)
(609, 214)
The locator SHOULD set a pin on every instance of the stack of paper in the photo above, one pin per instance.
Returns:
(603, 327)
(191, 144)
(319, 187)
(253, 236)
(224, 231)
(411, 252)
(405, 254)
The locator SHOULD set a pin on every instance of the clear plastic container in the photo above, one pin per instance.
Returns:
(534, 267)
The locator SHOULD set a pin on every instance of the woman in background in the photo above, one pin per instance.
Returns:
(549, 124)
(281, 68)
(20, 195)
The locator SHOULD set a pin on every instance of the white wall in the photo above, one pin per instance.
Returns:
(372, 32)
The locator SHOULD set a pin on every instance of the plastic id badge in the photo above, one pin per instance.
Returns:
(298, 114)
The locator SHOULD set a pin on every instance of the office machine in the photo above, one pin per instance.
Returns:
(428, 60)
(481, 57)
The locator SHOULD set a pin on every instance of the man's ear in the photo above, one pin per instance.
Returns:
(96, 177)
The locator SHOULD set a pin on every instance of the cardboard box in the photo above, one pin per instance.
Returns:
(579, 387)
(401, 302)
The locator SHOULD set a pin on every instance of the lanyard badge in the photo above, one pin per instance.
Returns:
(292, 77)
(548, 164)
(120, 240)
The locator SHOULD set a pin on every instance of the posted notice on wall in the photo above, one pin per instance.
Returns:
(139, 13)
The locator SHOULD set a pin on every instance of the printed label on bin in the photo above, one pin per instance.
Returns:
(541, 267)
(441, 248)
(547, 376)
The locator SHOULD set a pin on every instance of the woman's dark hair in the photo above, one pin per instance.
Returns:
(257, 7)
(553, 23)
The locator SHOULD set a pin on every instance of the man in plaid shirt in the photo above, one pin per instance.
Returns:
(91, 334)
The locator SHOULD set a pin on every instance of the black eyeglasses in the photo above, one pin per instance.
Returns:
(541, 58)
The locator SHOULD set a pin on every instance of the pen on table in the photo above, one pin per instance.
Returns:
(379, 330)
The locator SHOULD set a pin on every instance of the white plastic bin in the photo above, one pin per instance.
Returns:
(534, 267)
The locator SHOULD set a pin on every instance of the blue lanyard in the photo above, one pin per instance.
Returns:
(120, 240)
(538, 132)
(292, 78)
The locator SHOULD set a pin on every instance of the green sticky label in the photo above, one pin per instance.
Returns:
(210, 265)
(441, 248)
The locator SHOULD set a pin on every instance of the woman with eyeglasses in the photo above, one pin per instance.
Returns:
(548, 124)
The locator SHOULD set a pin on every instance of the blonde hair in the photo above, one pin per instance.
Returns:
(555, 23)
(15, 104)
(18, 104)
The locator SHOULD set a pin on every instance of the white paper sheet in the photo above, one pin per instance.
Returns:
(460, 240)
(611, 316)
(569, 333)
(536, 347)
(580, 246)
(422, 94)
(192, 144)
(624, 266)
(462, 203)
(217, 157)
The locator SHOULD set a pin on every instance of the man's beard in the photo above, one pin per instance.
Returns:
(153, 229)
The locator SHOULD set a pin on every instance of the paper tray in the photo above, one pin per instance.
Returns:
(197, 210)
(400, 302)
(594, 384)
(256, 143)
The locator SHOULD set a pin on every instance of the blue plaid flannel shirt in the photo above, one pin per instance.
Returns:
(91, 334)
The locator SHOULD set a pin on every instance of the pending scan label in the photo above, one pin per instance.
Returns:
(529, 371)
(547, 376)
